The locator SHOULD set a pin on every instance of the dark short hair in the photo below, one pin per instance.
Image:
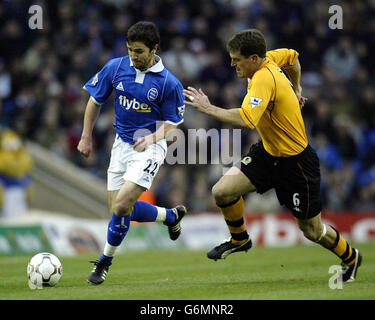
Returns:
(248, 42)
(144, 31)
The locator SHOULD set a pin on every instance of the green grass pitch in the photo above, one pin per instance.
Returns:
(299, 272)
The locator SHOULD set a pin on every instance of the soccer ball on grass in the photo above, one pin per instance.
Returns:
(44, 269)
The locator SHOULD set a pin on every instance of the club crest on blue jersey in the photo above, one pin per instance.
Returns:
(152, 94)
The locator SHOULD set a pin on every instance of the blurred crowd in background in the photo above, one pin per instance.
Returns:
(42, 73)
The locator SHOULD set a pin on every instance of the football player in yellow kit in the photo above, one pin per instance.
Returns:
(282, 160)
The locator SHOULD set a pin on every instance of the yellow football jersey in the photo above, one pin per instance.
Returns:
(272, 108)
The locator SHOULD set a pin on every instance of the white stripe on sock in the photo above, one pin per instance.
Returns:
(109, 250)
(162, 214)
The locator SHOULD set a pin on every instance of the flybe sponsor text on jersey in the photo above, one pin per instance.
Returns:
(133, 104)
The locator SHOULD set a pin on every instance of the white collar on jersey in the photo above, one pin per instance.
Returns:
(157, 67)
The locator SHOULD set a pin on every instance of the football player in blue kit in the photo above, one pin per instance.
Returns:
(149, 104)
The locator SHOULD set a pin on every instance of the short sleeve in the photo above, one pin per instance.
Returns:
(283, 57)
(257, 98)
(100, 85)
(173, 106)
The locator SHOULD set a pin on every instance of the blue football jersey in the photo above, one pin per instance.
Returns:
(142, 98)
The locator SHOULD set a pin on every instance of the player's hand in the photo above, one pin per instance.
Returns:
(85, 146)
(301, 100)
(197, 99)
(143, 143)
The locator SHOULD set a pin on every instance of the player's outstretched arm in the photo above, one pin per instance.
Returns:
(198, 100)
(91, 115)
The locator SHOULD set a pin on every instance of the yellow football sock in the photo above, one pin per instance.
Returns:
(343, 250)
(233, 214)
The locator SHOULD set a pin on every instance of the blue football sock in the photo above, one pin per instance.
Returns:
(117, 229)
(104, 256)
(144, 212)
(170, 217)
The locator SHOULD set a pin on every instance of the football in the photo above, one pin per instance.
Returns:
(44, 269)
